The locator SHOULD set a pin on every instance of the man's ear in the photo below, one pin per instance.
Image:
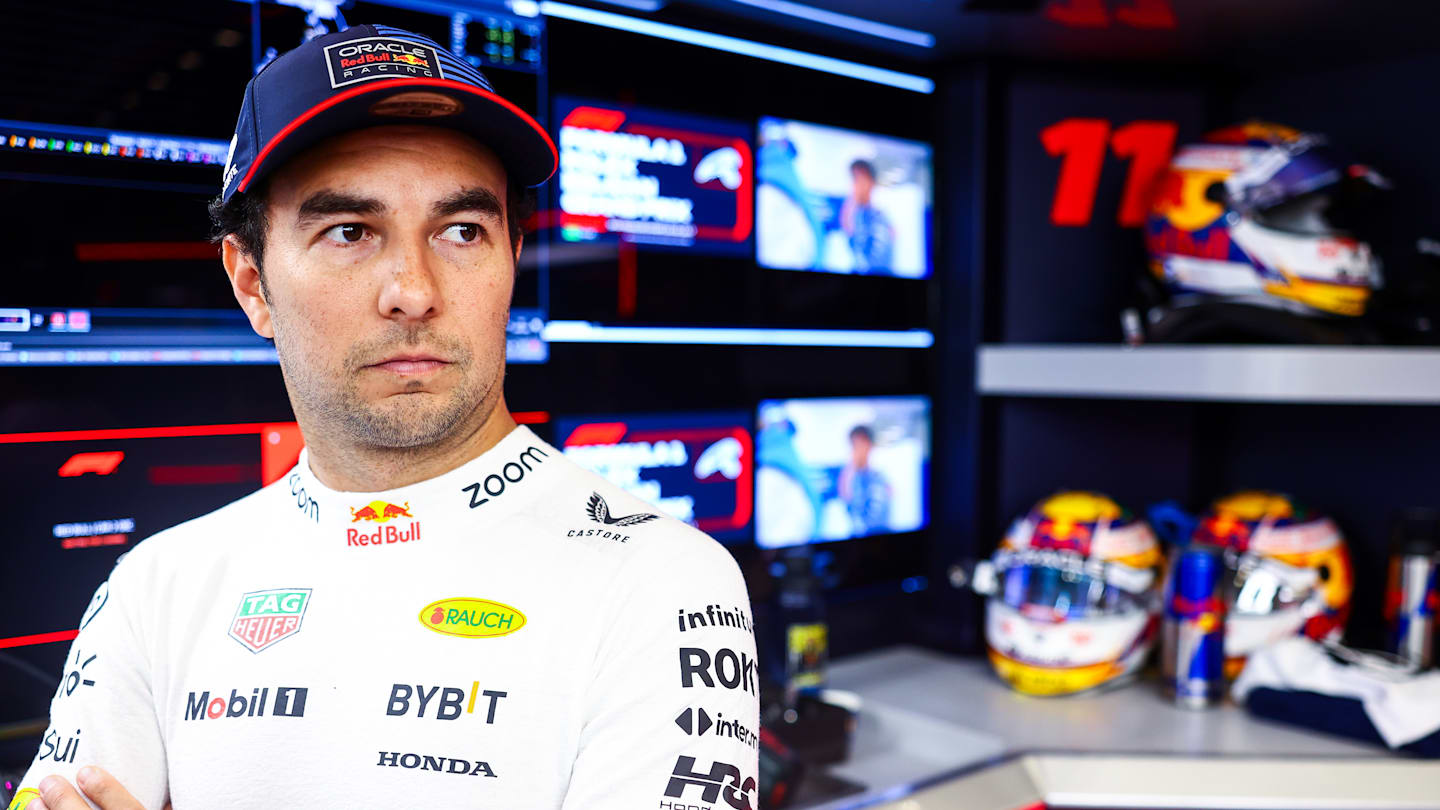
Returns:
(245, 281)
(519, 245)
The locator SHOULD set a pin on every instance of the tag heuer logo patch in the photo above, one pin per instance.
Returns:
(600, 513)
(361, 60)
(265, 617)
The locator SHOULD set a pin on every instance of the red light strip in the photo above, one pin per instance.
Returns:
(38, 638)
(143, 251)
(132, 433)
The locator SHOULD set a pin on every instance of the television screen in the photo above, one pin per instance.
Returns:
(652, 177)
(840, 201)
(834, 469)
(697, 467)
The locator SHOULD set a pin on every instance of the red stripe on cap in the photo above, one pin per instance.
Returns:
(386, 85)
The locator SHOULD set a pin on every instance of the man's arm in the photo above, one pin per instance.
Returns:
(673, 713)
(103, 712)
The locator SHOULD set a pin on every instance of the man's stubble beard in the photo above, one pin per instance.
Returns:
(400, 421)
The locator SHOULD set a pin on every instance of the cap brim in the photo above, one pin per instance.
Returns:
(523, 146)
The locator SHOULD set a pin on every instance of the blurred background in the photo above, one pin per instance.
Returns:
(860, 289)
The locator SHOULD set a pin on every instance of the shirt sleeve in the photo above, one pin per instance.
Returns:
(103, 713)
(673, 710)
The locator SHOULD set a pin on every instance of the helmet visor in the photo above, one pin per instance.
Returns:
(1259, 585)
(1049, 592)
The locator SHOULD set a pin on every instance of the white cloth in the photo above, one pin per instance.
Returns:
(1402, 707)
(314, 648)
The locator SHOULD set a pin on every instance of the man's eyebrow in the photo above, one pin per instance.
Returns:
(325, 202)
(476, 198)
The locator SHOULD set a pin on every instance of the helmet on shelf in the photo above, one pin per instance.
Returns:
(1075, 598)
(1264, 216)
(1289, 572)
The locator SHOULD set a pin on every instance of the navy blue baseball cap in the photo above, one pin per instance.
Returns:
(371, 75)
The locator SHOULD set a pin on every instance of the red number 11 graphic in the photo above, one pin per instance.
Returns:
(1080, 145)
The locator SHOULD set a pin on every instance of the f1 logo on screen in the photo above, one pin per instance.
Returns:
(1080, 145)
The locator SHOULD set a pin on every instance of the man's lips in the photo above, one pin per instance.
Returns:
(410, 364)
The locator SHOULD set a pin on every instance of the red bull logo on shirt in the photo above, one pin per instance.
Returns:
(379, 512)
(382, 512)
(265, 617)
(471, 618)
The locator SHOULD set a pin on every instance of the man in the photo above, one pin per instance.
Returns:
(872, 239)
(435, 608)
(863, 489)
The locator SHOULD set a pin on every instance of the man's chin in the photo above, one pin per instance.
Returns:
(407, 420)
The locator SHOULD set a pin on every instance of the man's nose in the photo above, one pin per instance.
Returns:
(410, 289)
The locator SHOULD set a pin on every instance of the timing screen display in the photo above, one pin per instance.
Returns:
(833, 469)
(696, 467)
(653, 177)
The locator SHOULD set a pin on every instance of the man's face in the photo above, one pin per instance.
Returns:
(388, 275)
(859, 450)
(863, 183)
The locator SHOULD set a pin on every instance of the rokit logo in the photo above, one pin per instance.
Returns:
(729, 669)
(723, 780)
(696, 722)
(714, 616)
(289, 702)
(361, 60)
(599, 512)
(382, 512)
(451, 703)
(513, 472)
(396, 759)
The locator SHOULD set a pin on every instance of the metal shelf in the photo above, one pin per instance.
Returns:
(1302, 374)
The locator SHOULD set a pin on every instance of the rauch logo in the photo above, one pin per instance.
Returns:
(471, 618)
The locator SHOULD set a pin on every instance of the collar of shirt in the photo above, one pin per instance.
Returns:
(478, 493)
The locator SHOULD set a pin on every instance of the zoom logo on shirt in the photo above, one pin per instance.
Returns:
(513, 472)
(722, 780)
(729, 669)
(451, 704)
(289, 702)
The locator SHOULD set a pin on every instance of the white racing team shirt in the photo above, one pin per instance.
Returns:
(515, 633)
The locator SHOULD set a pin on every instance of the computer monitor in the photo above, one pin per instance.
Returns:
(697, 467)
(840, 201)
(836, 469)
(653, 177)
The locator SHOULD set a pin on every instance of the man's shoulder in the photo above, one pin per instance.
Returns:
(598, 515)
(213, 531)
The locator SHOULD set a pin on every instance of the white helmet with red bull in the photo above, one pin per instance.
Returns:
(1075, 599)
(1289, 572)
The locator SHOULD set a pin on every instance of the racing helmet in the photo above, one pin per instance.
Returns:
(1288, 572)
(1263, 214)
(1075, 600)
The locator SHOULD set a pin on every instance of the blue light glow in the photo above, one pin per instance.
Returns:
(586, 332)
(744, 47)
(859, 25)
